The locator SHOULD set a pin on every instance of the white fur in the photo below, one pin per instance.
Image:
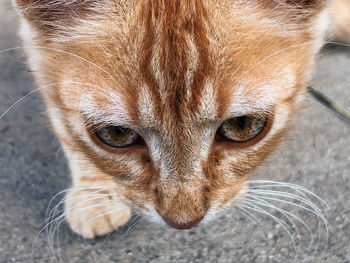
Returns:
(159, 76)
(114, 113)
(28, 34)
(192, 63)
(146, 108)
(208, 106)
(152, 215)
(243, 104)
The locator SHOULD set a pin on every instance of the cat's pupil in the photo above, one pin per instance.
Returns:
(120, 131)
(241, 122)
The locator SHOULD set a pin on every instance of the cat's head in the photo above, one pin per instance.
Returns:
(177, 101)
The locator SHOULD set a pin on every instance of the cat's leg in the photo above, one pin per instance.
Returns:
(92, 207)
(340, 21)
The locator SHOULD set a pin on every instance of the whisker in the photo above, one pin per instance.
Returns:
(54, 211)
(248, 214)
(337, 43)
(307, 202)
(87, 201)
(54, 225)
(301, 196)
(286, 214)
(99, 188)
(134, 223)
(285, 226)
(68, 212)
(45, 87)
(49, 215)
(55, 231)
(295, 187)
(63, 52)
(314, 211)
(275, 53)
(10, 49)
(25, 96)
(104, 214)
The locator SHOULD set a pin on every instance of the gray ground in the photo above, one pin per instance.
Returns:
(315, 154)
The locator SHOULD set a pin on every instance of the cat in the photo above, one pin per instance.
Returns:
(167, 106)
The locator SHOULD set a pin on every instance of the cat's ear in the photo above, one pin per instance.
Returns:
(297, 10)
(54, 7)
(53, 14)
(36, 5)
(303, 4)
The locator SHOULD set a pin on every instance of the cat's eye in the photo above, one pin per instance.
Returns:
(117, 136)
(243, 128)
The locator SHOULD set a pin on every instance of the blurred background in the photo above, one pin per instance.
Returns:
(315, 154)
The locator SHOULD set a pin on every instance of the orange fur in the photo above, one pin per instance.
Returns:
(173, 71)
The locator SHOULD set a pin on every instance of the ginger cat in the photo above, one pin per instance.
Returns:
(166, 106)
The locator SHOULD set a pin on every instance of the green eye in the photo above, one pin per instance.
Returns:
(117, 136)
(243, 128)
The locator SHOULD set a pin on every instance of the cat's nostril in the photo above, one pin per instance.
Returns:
(182, 225)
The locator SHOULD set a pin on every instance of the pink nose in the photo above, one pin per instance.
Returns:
(182, 225)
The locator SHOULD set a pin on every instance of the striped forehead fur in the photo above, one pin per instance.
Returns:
(179, 37)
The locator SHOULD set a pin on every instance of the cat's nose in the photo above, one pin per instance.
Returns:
(182, 226)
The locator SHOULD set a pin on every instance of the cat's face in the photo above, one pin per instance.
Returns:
(177, 101)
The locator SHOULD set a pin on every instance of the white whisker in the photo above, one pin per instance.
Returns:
(49, 221)
(45, 87)
(285, 213)
(98, 188)
(338, 43)
(307, 202)
(299, 194)
(104, 214)
(63, 52)
(54, 211)
(25, 96)
(285, 226)
(134, 224)
(316, 211)
(67, 211)
(295, 187)
(274, 54)
(10, 49)
(248, 214)
(54, 225)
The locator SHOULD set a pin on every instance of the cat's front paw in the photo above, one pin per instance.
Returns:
(92, 213)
